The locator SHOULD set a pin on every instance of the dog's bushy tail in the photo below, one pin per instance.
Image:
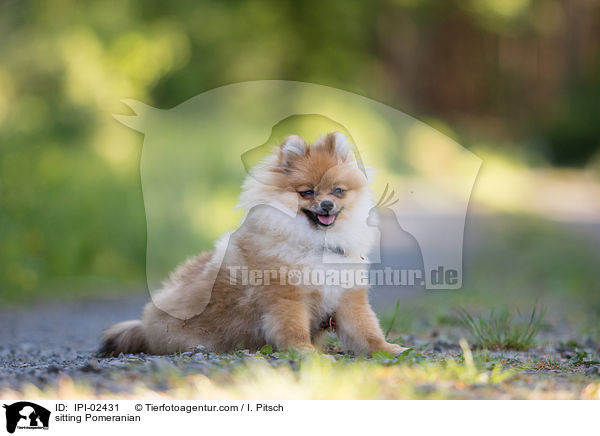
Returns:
(123, 337)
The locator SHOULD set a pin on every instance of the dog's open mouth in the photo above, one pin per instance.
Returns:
(320, 220)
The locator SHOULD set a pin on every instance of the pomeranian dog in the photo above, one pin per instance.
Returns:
(307, 209)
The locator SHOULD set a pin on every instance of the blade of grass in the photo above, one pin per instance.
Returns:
(389, 329)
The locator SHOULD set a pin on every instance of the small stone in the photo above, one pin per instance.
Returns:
(92, 365)
(199, 349)
(52, 369)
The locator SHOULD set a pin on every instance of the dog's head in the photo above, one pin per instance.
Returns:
(324, 177)
(315, 188)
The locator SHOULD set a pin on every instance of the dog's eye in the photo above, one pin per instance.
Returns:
(307, 193)
(338, 191)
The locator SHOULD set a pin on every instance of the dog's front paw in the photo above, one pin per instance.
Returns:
(394, 349)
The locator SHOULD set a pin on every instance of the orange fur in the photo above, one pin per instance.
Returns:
(284, 228)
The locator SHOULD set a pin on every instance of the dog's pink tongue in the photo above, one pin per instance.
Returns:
(326, 219)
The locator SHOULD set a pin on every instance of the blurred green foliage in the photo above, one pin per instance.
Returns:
(521, 72)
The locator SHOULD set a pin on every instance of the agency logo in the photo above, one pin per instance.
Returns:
(26, 415)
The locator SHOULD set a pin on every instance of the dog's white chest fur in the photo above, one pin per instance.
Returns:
(331, 298)
(340, 273)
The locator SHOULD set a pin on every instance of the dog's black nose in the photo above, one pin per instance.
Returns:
(327, 205)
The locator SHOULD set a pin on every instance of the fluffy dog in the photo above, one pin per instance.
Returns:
(304, 204)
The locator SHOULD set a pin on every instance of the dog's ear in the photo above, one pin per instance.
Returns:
(291, 148)
(337, 143)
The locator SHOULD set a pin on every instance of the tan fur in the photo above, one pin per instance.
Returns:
(358, 326)
(200, 306)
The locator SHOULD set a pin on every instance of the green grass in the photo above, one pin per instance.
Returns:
(501, 330)
(393, 321)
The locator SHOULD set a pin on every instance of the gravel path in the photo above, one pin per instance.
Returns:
(40, 342)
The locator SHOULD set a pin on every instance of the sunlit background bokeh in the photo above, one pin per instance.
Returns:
(517, 82)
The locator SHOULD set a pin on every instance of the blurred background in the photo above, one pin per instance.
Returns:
(517, 82)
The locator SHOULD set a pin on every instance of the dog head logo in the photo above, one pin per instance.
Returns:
(26, 415)
(191, 175)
